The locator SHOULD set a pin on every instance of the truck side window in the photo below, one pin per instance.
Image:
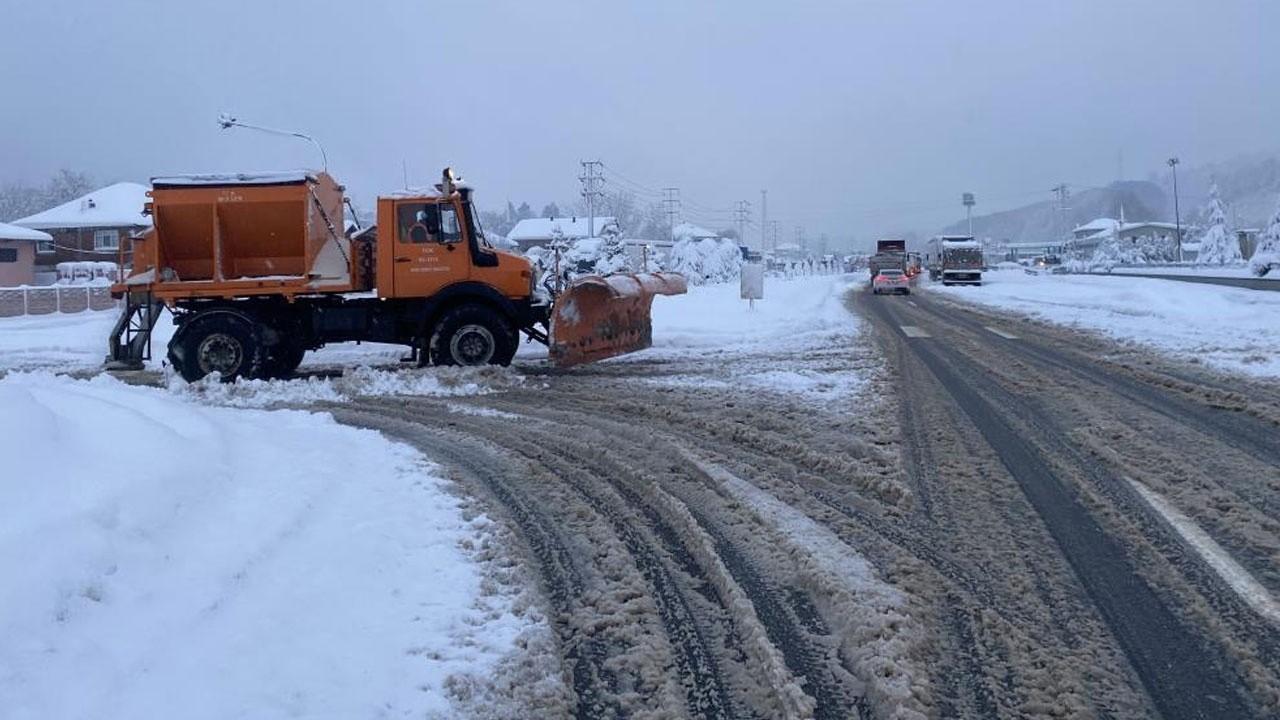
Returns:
(418, 222)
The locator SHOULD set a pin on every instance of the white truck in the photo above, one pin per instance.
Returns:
(954, 259)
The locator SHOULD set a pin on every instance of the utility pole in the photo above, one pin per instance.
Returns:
(1177, 217)
(671, 205)
(741, 213)
(764, 217)
(1064, 194)
(591, 182)
(800, 238)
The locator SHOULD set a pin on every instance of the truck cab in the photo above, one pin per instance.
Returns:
(433, 242)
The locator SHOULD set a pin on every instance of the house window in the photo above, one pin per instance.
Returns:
(8, 255)
(44, 246)
(106, 240)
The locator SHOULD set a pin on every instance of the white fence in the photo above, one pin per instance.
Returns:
(54, 299)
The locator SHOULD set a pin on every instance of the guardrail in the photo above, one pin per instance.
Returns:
(55, 299)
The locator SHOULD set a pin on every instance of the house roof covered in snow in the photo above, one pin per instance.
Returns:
(696, 232)
(1099, 224)
(14, 232)
(118, 205)
(542, 228)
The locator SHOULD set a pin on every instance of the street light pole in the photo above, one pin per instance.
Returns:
(226, 121)
(1177, 217)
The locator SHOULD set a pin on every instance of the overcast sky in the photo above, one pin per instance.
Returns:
(859, 118)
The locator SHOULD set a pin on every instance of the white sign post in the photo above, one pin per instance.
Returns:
(752, 283)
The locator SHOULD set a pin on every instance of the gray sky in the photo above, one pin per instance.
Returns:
(860, 118)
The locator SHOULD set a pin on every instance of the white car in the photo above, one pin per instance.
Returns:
(891, 281)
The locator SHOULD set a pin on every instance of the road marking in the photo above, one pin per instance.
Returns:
(913, 331)
(912, 303)
(1002, 333)
(1253, 592)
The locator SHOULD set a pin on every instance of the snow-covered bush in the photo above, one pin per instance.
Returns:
(1218, 245)
(1267, 256)
(706, 262)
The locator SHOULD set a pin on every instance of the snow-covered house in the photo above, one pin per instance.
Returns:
(95, 226)
(18, 254)
(535, 232)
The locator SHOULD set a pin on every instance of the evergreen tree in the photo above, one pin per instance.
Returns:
(613, 254)
(524, 212)
(1218, 245)
(1267, 257)
(551, 210)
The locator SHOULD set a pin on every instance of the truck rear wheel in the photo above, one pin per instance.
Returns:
(472, 335)
(220, 342)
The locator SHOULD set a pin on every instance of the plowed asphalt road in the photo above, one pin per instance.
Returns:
(1013, 520)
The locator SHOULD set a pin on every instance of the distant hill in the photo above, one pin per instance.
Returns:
(1250, 185)
(1042, 222)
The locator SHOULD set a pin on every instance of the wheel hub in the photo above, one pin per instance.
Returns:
(472, 345)
(219, 352)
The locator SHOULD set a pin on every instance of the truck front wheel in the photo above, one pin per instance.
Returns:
(472, 335)
(221, 342)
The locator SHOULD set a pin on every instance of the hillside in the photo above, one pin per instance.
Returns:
(1042, 221)
(1250, 185)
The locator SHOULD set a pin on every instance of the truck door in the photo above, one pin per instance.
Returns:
(430, 249)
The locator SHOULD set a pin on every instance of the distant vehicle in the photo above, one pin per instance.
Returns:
(891, 280)
(889, 254)
(954, 259)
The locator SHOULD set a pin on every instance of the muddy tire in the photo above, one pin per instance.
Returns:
(472, 335)
(222, 342)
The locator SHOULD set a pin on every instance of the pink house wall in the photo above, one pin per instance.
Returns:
(22, 272)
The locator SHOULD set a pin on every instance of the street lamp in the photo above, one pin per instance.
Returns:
(226, 121)
(1177, 217)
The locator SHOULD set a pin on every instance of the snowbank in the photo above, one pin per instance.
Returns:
(168, 559)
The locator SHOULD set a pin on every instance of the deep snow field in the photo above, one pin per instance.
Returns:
(191, 551)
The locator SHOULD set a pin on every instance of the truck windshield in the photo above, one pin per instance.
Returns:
(476, 229)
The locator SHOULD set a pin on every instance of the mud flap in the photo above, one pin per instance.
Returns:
(599, 317)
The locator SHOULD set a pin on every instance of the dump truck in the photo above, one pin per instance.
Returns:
(890, 254)
(257, 270)
(954, 259)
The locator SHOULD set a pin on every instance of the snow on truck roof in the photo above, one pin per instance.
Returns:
(961, 242)
(249, 178)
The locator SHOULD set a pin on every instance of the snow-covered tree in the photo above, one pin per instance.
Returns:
(706, 262)
(20, 200)
(1267, 257)
(551, 210)
(1106, 255)
(611, 256)
(1218, 245)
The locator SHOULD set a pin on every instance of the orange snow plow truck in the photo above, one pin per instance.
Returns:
(257, 270)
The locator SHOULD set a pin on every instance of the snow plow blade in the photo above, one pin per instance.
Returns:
(599, 317)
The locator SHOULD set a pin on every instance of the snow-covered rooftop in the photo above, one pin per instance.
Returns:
(118, 205)
(542, 228)
(14, 232)
(1099, 224)
(1149, 224)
